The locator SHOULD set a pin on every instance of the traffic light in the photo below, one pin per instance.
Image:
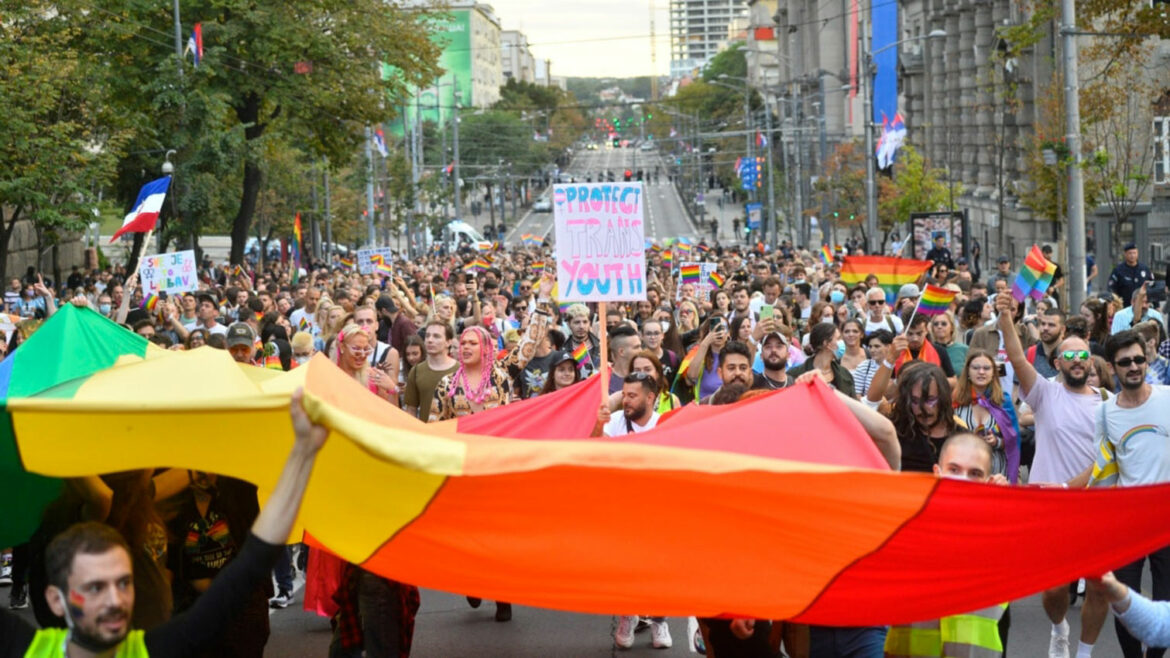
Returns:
(616, 142)
(628, 174)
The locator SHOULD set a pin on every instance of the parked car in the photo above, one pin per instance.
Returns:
(542, 205)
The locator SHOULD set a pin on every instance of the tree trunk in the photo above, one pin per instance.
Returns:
(249, 115)
(6, 228)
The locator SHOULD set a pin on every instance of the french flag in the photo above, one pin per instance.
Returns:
(146, 208)
(380, 142)
(195, 43)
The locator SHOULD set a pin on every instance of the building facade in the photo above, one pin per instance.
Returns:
(699, 30)
(517, 62)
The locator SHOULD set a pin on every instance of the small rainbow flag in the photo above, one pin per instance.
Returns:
(238, 271)
(934, 300)
(702, 248)
(347, 263)
(1034, 277)
(377, 259)
(716, 280)
(303, 325)
(668, 258)
(690, 273)
(655, 247)
(538, 267)
(826, 255)
(150, 303)
(580, 354)
(476, 266)
(297, 246)
(683, 246)
(383, 268)
(531, 240)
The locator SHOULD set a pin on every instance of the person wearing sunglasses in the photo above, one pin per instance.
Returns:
(1064, 413)
(1133, 449)
(877, 314)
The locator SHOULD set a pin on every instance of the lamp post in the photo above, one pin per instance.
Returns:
(873, 245)
(749, 151)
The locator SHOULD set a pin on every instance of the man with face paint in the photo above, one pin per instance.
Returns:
(1065, 413)
(91, 582)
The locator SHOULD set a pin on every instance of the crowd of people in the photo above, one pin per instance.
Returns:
(992, 390)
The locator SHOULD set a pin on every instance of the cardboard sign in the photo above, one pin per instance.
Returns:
(600, 238)
(369, 259)
(171, 273)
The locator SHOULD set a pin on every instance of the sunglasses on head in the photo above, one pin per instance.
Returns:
(1130, 361)
(1075, 355)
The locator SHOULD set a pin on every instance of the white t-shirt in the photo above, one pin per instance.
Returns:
(309, 319)
(1140, 438)
(617, 425)
(871, 326)
(219, 328)
(1065, 438)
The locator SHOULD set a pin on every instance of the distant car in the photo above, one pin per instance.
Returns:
(542, 205)
(592, 146)
(647, 146)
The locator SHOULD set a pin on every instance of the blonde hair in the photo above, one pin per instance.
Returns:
(347, 334)
(954, 327)
(577, 310)
(301, 340)
(432, 313)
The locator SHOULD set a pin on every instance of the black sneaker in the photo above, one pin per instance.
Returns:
(281, 600)
(18, 599)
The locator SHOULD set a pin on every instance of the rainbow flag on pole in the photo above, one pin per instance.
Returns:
(716, 280)
(826, 255)
(892, 273)
(297, 246)
(537, 268)
(150, 303)
(531, 240)
(683, 246)
(935, 300)
(668, 258)
(1034, 277)
(690, 273)
(581, 354)
(346, 263)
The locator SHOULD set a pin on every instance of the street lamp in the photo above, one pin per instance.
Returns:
(870, 163)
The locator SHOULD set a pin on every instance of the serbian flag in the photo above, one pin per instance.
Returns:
(144, 216)
(380, 142)
(761, 139)
(195, 43)
(891, 273)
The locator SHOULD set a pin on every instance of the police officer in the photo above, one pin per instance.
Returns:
(1128, 276)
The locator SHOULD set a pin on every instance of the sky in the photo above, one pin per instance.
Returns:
(591, 38)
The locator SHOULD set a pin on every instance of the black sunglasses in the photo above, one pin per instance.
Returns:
(1129, 361)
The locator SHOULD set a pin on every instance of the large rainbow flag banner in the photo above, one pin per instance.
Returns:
(1034, 277)
(892, 273)
(934, 300)
(516, 503)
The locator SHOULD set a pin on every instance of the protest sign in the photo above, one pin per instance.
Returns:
(700, 276)
(171, 273)
(600, 242)
(368, 260)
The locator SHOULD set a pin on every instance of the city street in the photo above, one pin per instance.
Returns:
(665, 216)
(447, 627)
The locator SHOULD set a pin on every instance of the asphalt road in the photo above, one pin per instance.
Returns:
(447, 628)
(665, 217)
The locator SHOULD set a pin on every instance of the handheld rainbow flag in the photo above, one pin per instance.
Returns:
(297, 241)
(716, 280)
(531, 240)
(476, 266)
(1034, 277)
(702, 248)
(383, 268)
(346, 263)
(826, 255)
(690, 273)
(303, 325)
(150, 303)
(538, 267)
(580, 354)
(934, 300)
(683, 246)
(892, 273)
(668, 258)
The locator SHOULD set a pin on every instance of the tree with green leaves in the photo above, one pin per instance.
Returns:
(61, 142)
(914, 187)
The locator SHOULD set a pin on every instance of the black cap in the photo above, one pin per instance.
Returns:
(386, 303)
(960, 261)
(558, 358)
(1004, 259)
(1128, 246)
(239, 333)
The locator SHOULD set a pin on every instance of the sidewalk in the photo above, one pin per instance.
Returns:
(726, 216)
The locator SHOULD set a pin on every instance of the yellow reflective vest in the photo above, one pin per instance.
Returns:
(50, 643)
(972, 635)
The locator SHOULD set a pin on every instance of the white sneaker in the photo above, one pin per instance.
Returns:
(1058, 645)
(623, 637)
(660, 634)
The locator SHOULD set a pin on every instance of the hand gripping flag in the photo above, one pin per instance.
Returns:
(144, 216)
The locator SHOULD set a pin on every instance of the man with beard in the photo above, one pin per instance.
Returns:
(639, 400)
(774, 354)
(1065, 413)
(735, 367)
(1042, 354)
(1134, 450)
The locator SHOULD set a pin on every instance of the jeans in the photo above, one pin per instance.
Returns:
(380, 604)
(1131, 575)
(847, 641)
(284, 570)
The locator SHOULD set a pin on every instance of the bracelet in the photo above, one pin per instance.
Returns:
(887, 364)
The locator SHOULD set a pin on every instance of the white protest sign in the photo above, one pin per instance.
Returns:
(601, 242)
(368, 259)
(171, 273)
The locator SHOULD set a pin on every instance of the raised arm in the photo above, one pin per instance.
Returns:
(1005, 306)
(537, 329)
(276, 518)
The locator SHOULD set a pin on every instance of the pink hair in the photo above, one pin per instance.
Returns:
(487, 355)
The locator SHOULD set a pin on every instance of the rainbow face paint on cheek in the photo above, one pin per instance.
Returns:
(76, 604)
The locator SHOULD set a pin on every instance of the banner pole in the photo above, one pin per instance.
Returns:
(604, 370)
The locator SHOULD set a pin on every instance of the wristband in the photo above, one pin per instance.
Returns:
(887, 364)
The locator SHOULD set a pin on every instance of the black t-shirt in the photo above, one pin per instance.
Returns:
(763, 383)
(919, 452)
(531, 379)
(189, 633)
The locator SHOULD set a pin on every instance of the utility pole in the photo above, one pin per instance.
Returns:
(771, 219)
(457, 181)
(370, 237)
(328, 214)
(1076, 190)
(178, 39)
(314, 223)
(871, 223)
(798, 142)
(824, 158)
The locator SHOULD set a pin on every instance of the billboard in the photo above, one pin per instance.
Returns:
(451, 31)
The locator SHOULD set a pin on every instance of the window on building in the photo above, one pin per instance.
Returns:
(1162, 150)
